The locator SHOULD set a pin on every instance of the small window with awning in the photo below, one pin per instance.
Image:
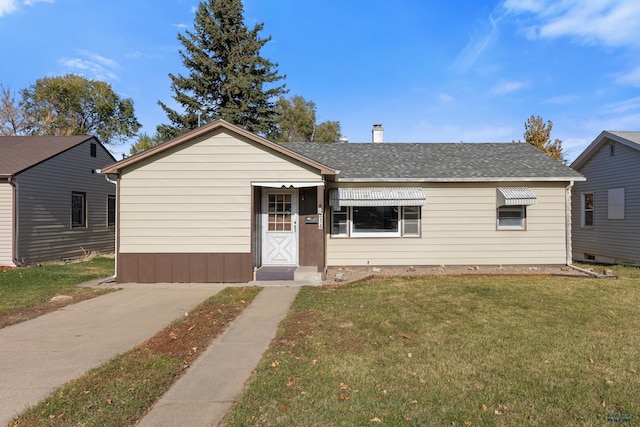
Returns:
(515, 196)
(376, 196)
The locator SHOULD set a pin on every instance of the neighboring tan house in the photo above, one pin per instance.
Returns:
(606, 208)
(218, 203)
(53, 204)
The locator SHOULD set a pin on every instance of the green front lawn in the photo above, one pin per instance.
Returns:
(26, 292)
(489, 351)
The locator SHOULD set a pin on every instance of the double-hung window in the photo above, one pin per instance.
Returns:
(78, 210)
(587, 209)
(375, 221)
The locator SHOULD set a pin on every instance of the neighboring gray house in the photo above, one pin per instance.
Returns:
(219, 203)
(606, 208)
(52, 203)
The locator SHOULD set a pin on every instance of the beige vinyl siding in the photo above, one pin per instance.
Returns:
(44, 197)
(459, 228)
(6, 224)
(609, 240)
(196, 198)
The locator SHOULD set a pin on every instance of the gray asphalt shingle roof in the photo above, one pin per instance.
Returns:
(632, 136)
(435, 161)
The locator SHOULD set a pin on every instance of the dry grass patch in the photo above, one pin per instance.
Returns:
(452, 351)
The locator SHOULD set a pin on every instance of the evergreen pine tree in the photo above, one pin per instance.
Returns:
(228, 79)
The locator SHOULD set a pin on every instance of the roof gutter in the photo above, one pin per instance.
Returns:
(115, 243)
(14, 221)
(482, 179)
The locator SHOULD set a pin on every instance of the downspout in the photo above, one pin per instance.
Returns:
(14, 225)
(115, 243)
(567, 215)
(567, 202)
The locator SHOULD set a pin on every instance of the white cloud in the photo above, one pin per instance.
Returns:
(477, 44)
(623, 107)
(561, 99)
(504, 88)
(180, 26)
(7, 7)
(599, 22)
(33, 2)
(630, 78)
(445, 97)
(91, 65)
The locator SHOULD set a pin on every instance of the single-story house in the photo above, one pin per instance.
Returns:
(53, 204)
(218, 203)
(606, 207)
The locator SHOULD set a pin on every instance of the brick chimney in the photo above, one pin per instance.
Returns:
(377, 134)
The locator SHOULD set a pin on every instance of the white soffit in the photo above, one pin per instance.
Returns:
(287, 184)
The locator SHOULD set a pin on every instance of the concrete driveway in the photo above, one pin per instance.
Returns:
(42, 354)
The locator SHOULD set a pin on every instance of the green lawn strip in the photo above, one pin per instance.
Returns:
(496, 351)
(30, 286)
(121, 391)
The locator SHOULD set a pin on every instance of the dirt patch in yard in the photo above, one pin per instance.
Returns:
(351, 274)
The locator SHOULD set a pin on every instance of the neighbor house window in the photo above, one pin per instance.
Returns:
(587, 209)
(78, 210)
(111, 210)
(512, 217)
(375, 221)
(93, 150)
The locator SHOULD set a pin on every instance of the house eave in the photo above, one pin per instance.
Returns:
(596, 145)
(117, 167)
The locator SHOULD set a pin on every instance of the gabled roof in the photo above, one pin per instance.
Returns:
(629, 138)
(433, 162)
(203, 130)
(19, 153)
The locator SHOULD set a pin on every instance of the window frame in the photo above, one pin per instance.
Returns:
(517, 208)
(346, 213)
(110, 209)
(584, 210)
(83, 209)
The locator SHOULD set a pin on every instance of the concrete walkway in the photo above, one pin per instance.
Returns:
(39, 355)
(206, 392)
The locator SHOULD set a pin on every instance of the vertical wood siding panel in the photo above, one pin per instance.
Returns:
(611, 240)
(44, 197)
(6, 224)
(459, 228)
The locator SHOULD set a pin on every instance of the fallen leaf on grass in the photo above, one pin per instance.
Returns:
(343, 387)
(289, 383)
(409, 355)
(345, 398)
(275, 363)
(405, 336)
(375, 420)
(484, 407)
(314, 362)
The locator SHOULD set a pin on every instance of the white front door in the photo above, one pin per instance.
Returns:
(279, 227)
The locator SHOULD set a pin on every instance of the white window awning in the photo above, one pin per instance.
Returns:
(376, 196)
(515, 196)
(287, 184)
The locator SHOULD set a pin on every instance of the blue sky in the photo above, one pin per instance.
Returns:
(427, 70)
